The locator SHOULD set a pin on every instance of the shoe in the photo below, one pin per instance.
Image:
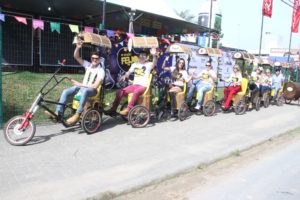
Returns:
(250, 106)
(51, 116)
(72, 120)
(124, 112)
(197, 107)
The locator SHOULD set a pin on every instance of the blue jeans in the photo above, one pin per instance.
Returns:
(85, 92)
(202, 88)
(262, 89)
(192, 88)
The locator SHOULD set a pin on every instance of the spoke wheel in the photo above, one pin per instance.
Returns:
(240, 108)
(67, 113)
(91, 121)
(280, 100)
(209, 108)
(257, 103)
(139, 116)
(266, 101)
(183, 112)
(16, 136)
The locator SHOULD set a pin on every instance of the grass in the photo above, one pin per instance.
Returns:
(20, 89)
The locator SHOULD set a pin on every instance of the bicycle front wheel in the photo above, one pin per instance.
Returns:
(13, 133)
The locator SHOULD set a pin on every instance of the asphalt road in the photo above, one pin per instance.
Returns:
(275, 176)
(68, 164)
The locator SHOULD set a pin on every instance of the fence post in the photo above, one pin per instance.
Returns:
(1, 102)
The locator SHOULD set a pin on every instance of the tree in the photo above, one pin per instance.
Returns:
(186, 15)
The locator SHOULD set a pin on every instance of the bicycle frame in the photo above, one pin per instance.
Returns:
(39, 100)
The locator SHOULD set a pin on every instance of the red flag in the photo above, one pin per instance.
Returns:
(267, 8)
(296, 17)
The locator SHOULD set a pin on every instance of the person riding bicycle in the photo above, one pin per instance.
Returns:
(277, 80)
(235, 79)
(203, 82)
(141, 70)
(93, 77)
(255, 80)
(179, 77)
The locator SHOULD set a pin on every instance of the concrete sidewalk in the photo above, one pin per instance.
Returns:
(68, 164)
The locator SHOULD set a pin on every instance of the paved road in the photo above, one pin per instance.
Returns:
(275, 176)
(68, 164)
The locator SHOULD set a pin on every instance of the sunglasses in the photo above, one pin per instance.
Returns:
(94, 58)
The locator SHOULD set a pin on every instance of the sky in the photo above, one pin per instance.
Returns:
(241, 22)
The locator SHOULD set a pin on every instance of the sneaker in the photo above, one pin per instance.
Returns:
(124, 112)
(197, 107)
(72, 120)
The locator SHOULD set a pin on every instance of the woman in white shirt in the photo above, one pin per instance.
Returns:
(179, 77)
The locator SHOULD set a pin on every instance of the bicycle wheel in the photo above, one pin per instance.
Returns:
(139, 116)
(183, 111)
(257, 103)
(67, 113)
(266, 101)
(16, 136)
(280, 100)
(209, 108)
(240, 108)
(91, 121)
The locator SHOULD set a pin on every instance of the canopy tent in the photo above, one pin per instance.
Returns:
(283, 60)
(157, 18)
(210, 52)
(243, 55)
(179, 48)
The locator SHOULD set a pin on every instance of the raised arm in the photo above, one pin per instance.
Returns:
(76, 52)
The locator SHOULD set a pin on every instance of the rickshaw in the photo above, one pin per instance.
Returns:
(209, 98)
(21, 129)
(183, 109)
(139, 116)
(266, 97)
(240, 101)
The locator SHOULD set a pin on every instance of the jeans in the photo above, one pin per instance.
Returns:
(192, 88)
(201, 89)
(137, 90)
(85, 92)
(262, 89)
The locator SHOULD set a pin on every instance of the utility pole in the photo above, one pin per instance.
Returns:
(210, 16)
(103, 13)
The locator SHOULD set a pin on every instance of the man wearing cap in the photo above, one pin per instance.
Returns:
(141, 70)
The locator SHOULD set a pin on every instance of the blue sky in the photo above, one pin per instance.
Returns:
(241, 21)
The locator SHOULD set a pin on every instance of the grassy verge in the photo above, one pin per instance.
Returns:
(21, 88)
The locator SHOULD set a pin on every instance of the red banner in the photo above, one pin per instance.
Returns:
(267, 8)
(296, 17)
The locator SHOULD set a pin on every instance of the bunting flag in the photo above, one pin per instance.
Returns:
(88, 29)
(36, 23)
(110, 33)
(267, 8)
(74, 28)
(55, 27)
(21, 19)
(296, 17)
(2, 17)
(130, 35)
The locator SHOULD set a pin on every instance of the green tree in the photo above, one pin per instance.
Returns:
(186, 14)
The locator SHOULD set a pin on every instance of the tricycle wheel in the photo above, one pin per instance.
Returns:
(257, 103)
(266, 101)
(240, 108)
(183, 111)
(91, 121)
(67, 113)
(209, 108)
(280, 100)
(139, 116)
(16, 136)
